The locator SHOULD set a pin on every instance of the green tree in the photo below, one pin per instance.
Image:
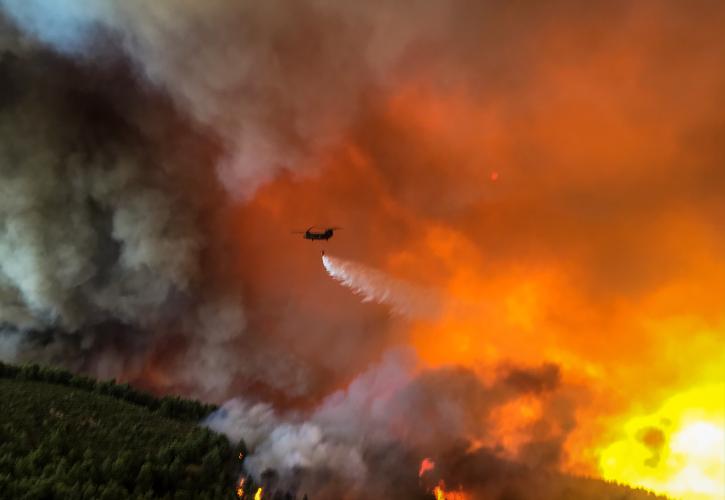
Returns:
(145, 478)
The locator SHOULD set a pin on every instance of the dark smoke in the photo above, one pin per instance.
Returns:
(271, 79)
(94, 237)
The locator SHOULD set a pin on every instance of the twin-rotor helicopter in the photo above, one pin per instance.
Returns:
(318, 234)
(313, 233)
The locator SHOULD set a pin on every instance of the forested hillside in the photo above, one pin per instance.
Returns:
(67, 436)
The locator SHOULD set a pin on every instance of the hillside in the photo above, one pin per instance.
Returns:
(63, 436)
(67, 436)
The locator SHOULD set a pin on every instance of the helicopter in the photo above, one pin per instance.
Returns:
(325, 234)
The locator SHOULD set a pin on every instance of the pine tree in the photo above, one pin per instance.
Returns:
(89, 491)
(145, 478)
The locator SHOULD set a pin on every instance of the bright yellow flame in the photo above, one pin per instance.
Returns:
(258, 494)
(442, 494)
(679, 450)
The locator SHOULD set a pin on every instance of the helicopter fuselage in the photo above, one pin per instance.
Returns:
(325, 235)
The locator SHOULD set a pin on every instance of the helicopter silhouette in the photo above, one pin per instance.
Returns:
(325, 234)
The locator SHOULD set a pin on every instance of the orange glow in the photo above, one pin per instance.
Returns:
(240, 488)
(441, 494)
(568, 212)
(511, 422)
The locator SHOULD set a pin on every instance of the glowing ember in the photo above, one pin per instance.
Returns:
(240, 488)
(426, 465)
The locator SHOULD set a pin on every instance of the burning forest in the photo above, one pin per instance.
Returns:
(528, 297)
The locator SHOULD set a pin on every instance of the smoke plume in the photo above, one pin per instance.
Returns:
(92, 235)
(392, 410)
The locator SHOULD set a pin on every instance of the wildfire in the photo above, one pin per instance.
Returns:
(427, 465)
(240, 488)
(258, 494)
(441, 494)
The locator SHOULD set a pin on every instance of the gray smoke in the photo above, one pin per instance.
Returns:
(95, 242)
(211, 361)
(251, 71)
(393, 410)
(266, 85)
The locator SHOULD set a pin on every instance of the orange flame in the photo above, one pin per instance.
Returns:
(441, 494)
(426, 465)
(240, 488)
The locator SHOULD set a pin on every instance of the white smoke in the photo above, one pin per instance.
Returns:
(210, 363)
(331, 441)
(239, 419)
(404, 299)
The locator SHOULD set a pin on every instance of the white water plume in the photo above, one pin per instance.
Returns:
(404, 299)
